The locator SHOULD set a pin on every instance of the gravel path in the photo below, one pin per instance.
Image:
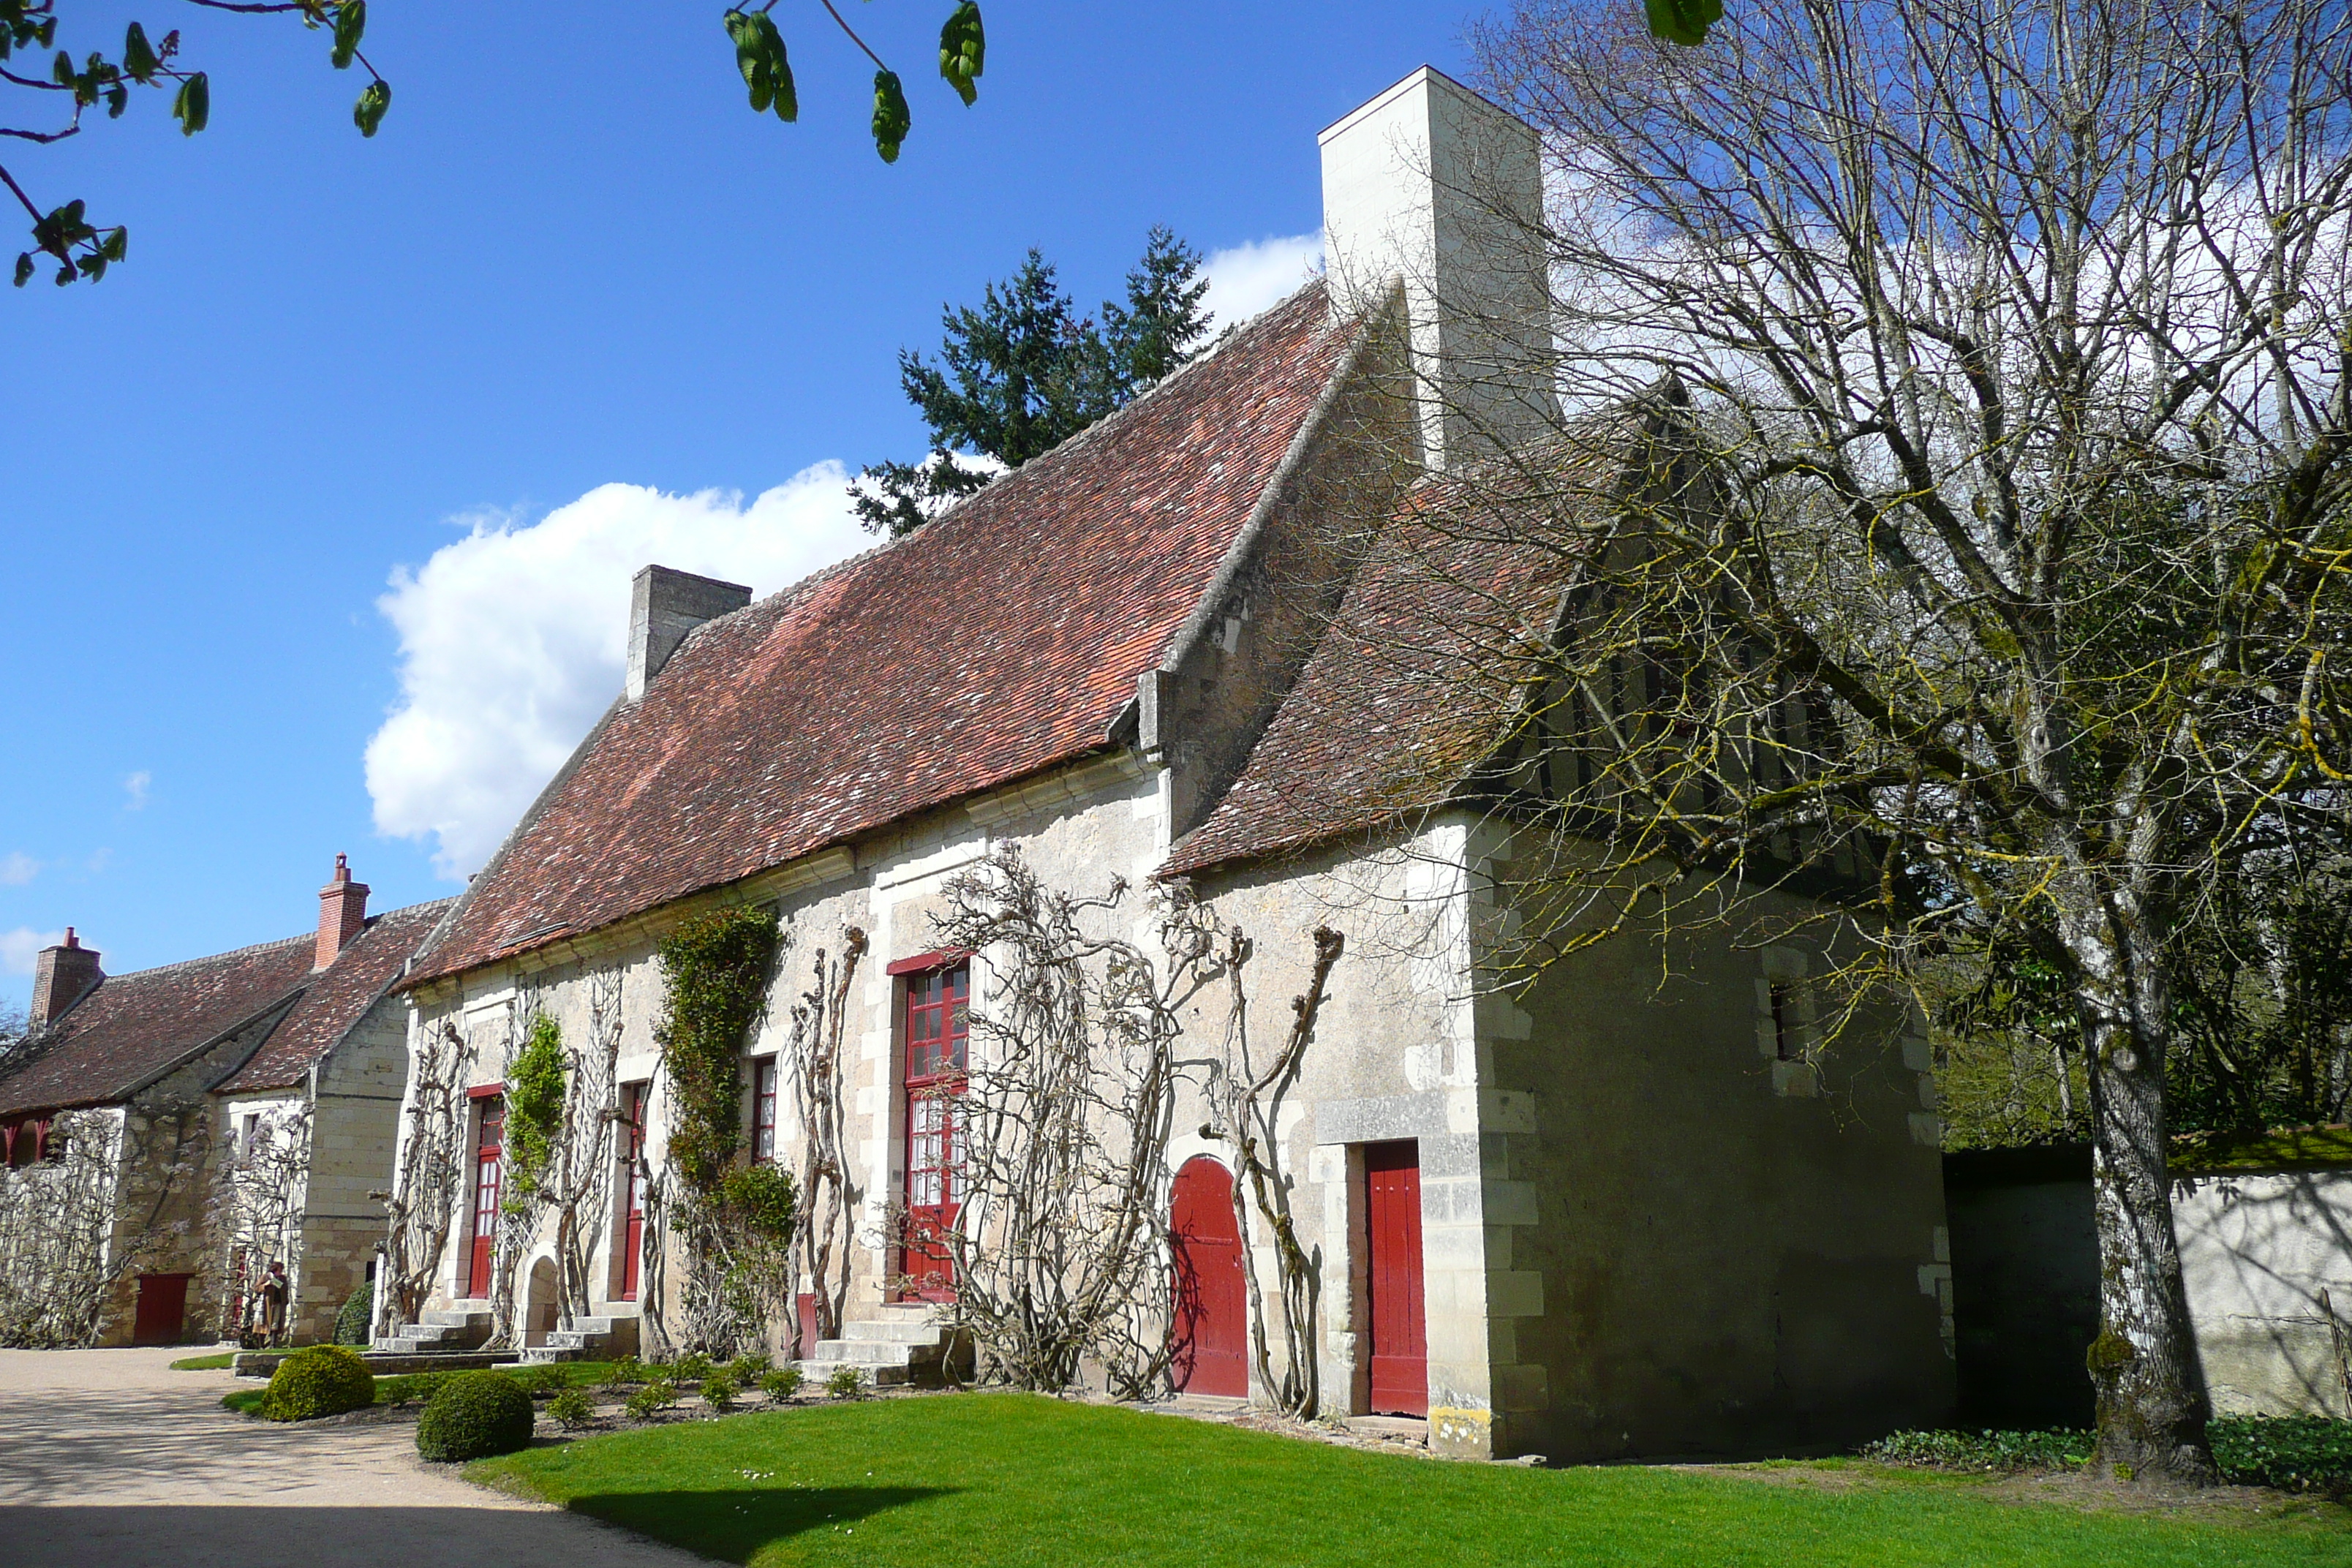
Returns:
(110, 1459)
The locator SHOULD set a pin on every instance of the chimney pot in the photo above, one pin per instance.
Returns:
(342, 911)
(664, 604)
(62, 977)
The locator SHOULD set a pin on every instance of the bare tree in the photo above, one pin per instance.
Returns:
(1063, 1116)
(255, 1208)
(1247, 1094)
(428, 1184)
(1945, 520)
(828, 1193)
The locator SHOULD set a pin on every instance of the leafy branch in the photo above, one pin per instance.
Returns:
(65, 234)
(767, 71)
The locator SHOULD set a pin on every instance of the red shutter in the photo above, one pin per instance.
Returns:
(1400, 1341)
(633, 1183)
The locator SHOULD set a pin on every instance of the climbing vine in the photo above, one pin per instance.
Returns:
(829, 1193)
(534, 1106)
(715, 968)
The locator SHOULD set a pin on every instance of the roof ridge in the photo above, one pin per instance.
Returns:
(244, 952)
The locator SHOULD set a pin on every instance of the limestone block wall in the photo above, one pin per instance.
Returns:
(2257, 1251)
(354, 1121)
(1737, 1253)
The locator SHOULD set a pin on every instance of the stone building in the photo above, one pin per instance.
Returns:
(1602, 1216)
(174, 1132)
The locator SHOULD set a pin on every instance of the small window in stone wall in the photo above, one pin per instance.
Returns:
(763, 1109)
(1785, 1024)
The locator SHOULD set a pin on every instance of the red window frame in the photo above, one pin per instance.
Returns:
(937, 1041)
(763, 1109)
(489, 1106)
(633, 1184)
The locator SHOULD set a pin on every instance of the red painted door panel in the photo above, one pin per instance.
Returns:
(488, 1139)
(938, 1020)
(163, 1311)
(1400, 1340)
(1211, 1335)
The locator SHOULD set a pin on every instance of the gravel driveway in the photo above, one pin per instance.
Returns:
(110, 1459)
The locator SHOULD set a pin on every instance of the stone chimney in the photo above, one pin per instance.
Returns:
(664, 606)
(1432, 186)
(62, 977)
(342, 911)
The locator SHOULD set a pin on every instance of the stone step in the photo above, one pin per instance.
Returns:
(457, 1319)
(895, 1331)
(815, 1373)
(873, 1352)
(436, 1332)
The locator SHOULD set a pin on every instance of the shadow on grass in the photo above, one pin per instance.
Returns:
(733, 1525)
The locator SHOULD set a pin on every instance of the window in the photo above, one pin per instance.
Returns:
(25, 1139)
(1786, 1044)
(248, 1136)
(763, 1109)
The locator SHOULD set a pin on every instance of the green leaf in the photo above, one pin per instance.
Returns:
(890, 117)
(963, 50)
(374, 98)
(351, 21)
(192, 106)
(23, 268)
(1682, 21)
(786, 99)
(117, 99)
(139, 62)
(117, 243)
(760, 55)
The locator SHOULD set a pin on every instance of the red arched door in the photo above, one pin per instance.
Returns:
(1212, 1333)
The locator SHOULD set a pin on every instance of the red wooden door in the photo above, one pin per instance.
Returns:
(1212, 1334)
(632, 1182)
(163, 1313)
(491, 1110)
(937, 1007)
(1400, 1340)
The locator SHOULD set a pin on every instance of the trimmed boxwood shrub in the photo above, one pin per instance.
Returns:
(323, 1380)
(474, 1416)
(358, 1311)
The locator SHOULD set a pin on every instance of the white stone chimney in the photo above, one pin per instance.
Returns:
(664, 604)
(1432, 186)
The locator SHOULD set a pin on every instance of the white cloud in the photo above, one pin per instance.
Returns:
(513, 640)
(20, 947)
(134, 790)
(18, 868)
(1246, 279)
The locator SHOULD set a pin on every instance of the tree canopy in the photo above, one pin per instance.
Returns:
(1023, 372)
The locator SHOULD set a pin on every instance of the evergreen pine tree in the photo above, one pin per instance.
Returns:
(1025, 372)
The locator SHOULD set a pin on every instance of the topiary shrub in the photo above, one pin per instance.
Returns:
(323, 1380)
(351, 1323)
(474, 1416)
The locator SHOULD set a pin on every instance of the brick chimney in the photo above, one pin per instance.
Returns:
(62, 977)
(1431, 186)
(664, 604)
(342, 909)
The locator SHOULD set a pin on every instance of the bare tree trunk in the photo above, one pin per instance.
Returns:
(2152, 1407)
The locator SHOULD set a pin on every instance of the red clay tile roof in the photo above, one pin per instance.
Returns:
(337, 999)
(1416, 679)
(135, 1026)
(1003, 639)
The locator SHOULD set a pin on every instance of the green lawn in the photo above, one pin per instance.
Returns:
(206, 1362)
(1013, 1479)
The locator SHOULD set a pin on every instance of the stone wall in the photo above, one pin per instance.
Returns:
(354, 1119)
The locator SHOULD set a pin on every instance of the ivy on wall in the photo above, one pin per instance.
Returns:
(534, 1107)
(716, 969)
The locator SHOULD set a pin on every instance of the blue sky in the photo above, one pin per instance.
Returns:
(501, 352)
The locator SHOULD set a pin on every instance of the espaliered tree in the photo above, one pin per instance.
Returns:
(58, 91)
(1953, 503)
